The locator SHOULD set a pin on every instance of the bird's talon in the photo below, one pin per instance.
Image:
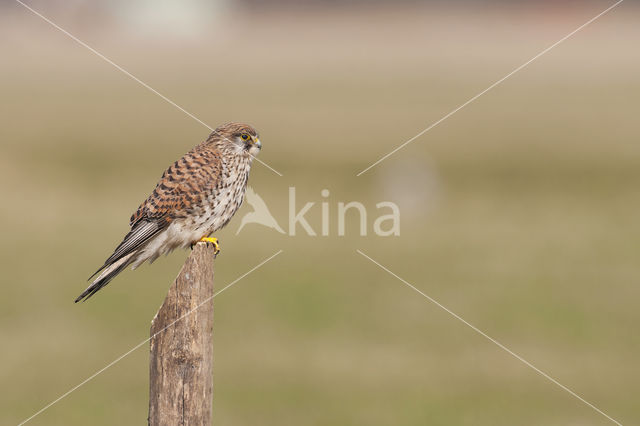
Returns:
(213, 241)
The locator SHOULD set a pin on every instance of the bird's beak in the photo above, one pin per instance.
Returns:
(257, 143)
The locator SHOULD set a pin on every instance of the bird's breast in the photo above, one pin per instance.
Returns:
(223, 199)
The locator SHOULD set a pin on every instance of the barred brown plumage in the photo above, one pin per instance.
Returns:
(197, 195)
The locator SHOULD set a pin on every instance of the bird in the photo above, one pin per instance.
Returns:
(196, 196)
(260, 213)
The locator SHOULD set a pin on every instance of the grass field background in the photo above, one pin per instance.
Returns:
(519, 213)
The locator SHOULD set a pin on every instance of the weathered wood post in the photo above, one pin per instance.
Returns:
(181, 361)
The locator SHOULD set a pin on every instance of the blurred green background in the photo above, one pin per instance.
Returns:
(519, 213)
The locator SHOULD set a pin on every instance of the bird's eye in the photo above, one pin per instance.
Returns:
(244, 136)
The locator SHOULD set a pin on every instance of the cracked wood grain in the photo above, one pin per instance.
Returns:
(181, 360)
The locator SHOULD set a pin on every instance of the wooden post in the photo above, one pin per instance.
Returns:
(181, 361)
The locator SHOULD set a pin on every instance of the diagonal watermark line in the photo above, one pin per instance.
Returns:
(490, 87)
(128, 74)
(115, 361)
(500, 345)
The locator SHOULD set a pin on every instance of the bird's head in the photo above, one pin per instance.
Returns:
(240, 137)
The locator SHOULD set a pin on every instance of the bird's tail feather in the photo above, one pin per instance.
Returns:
(107, 275)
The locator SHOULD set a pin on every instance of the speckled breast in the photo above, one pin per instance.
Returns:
(227, 196)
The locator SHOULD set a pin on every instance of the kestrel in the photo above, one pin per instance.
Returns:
(196, 196)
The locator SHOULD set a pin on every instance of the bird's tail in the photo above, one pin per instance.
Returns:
(105, 276)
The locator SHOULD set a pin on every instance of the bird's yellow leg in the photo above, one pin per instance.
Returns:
(211, 240)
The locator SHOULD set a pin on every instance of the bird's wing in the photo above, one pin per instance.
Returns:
(181, 188)
(139, 235)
